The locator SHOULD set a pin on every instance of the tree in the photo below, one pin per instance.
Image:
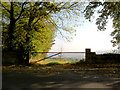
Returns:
(22, 21)
(105, 10)
(25, 35)
(10, 12)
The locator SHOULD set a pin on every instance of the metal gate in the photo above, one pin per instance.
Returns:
(58, 56)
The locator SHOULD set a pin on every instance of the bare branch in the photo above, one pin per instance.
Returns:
(56, 26)
(63, 5)
(70, 6)
(59, 4)
(22, 10)
(5, 7)
(54, 23)
(40, 16)
(36, 21)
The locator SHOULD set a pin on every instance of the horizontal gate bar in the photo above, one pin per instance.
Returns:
(57, 52)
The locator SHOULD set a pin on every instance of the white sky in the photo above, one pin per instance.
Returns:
(87, 37)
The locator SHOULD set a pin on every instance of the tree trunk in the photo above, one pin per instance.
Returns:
(27, 52)
(27, 59)
(11, 28)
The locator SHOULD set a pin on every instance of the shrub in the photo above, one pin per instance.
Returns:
(53, 63)
(72, 63)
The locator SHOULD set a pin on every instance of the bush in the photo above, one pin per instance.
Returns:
(81, 62)
(53, 63)
(72, 63)
(34, 64)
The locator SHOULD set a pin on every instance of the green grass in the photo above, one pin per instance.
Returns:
(60, 61)
(73, 63)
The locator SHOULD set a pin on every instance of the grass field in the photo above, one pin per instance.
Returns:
(57, 60)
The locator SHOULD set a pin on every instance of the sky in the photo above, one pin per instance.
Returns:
(87, 36)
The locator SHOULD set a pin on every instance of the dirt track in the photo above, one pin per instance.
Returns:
(58, 79)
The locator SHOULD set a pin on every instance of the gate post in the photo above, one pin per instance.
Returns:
(90, 56)
(87, 54)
